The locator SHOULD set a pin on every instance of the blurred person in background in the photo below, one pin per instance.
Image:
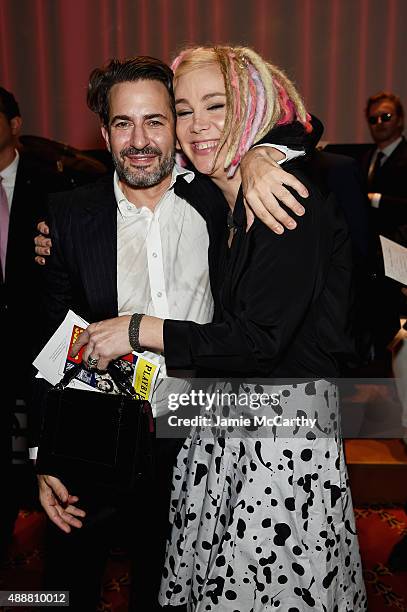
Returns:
(23, 195)
(385, 170)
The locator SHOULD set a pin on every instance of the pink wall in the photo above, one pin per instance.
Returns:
(337, 51)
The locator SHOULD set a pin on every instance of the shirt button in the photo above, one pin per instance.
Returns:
(129, 207)
(159, 294)
(155, 255)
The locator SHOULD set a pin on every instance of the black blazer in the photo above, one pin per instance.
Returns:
(283, 302)
(391, 182)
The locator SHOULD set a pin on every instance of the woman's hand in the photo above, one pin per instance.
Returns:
(42, 243)
(104, 342)
(107, 340)
(263, 182)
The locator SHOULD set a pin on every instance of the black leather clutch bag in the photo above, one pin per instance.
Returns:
(97, 438)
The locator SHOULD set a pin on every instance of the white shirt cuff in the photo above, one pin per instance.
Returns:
(289, 153)
(33, 452)
(375, 200)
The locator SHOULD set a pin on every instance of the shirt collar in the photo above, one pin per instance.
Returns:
(8, 173)
(177, 171)
(127, 207)
(387, 151)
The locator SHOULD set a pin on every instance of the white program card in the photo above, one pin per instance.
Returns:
(51, 360)
(395, 260)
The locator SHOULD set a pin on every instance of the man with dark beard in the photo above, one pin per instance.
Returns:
(115, 244)
(142, 241)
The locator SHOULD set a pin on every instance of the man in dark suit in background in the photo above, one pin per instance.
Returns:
(22, 204)
(385, 172)
(385, 166)
(28, 173)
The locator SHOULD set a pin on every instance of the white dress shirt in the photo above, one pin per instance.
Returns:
(162, 266)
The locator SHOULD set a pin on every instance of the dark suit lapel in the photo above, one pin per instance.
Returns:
(97, 246)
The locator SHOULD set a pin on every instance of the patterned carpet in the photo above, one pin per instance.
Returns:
(379, 529)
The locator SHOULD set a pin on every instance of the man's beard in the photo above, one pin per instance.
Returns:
(143, 177)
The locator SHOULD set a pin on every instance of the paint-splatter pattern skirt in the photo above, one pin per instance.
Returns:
(263, 520)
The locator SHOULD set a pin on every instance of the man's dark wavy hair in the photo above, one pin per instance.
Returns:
(138, 68)
(8, 104)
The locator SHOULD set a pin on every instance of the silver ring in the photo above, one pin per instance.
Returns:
(92, 362)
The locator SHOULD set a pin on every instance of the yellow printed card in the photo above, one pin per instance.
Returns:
(145, 374)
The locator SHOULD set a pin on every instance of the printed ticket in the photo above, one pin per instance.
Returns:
(55, 360)
(145, 375)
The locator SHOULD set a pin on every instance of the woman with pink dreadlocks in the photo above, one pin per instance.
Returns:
(262, 513)
(261, 521)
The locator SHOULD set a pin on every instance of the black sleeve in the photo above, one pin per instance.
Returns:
(294, 136)
(275, 289)
(344, 179)
(56, 299)
(57, 288)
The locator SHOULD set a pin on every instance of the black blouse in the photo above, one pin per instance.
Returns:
(283, 299)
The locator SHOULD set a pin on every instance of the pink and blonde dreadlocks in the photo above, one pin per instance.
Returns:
(259, 96)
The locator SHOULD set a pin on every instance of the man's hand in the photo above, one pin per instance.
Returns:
(58, 503)
(105, 341)
(263, 181)
(42, 243)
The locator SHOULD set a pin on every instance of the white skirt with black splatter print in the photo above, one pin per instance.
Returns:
(263, 520)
